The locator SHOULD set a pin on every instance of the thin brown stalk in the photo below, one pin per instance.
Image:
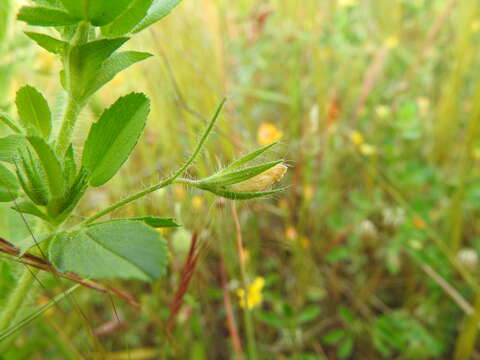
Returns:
(231, 323)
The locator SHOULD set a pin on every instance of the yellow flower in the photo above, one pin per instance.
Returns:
(254, 293)
(356, 137)
(382, 111)
(476, 26)
(197, 202)
(347, 3)
(46, 61)
(476, 153)
(268, 133)
(262, 181)
(367, 149)
(391, 42)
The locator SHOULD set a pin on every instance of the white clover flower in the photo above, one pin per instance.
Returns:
(468, 257)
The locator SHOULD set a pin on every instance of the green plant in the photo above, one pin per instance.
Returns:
(45, 176)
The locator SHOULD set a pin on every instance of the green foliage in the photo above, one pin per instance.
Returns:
(9, 146)
(8, 185)
(127, 21)
(112, 139)
(43, 16)
(158, 10)
(118, 249)
(34, 111)
(49, 43)
(100, 12)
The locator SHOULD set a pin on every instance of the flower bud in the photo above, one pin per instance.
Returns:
(262, 181)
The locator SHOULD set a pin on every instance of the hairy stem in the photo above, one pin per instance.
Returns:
(68, 125)
(167, 181)
(74, 104)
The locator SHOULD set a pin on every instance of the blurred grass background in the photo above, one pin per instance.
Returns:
(371, 253)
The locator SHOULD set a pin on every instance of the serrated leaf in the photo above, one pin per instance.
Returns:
(34, 111)
(7, 120)
(130, 18)
(8, 185)
(49, 43)
(51, 165)
(9, 147)
(158, 10)
(117, 249)
(44, 16)
(112, 138)
(112, 66)
(98, 12)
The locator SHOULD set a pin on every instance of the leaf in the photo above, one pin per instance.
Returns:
(345, 348)
(69, 165)
(86, 61)
(98, 12)
(113, 137)
(112, 66)
(30, 242)
(309, 314)
(49, 43)
(34, 112)
(9, 147)
(4, 334)
(49, 3)
(234, 177)
(234, 195)
(334, 336)
(7, 120)
(32, 178)
(153, 221)
(27, 207)
(131, 17)
(247, 158)
(118, 249)
(8, 185)
(51, 165)
(43, 16)
(271, 319)
(158, 10)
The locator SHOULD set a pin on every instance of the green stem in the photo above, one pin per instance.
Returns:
(74, 104)
(17, 298)
(468, 335)
(167, 181)
(247, 315)
(68, 125)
